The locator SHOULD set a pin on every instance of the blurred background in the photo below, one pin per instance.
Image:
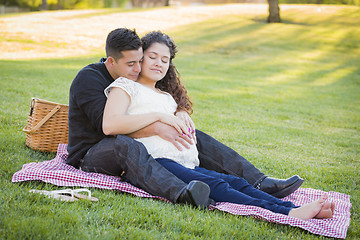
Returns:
(12, 6)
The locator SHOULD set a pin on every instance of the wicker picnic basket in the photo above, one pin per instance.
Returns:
(47, 125)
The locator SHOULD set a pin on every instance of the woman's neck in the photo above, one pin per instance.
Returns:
(146, 82)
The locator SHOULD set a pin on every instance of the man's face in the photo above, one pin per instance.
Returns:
(128, 66)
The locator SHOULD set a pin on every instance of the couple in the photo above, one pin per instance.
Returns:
(92, 150)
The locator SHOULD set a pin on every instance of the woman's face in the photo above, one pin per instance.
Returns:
(156, 62)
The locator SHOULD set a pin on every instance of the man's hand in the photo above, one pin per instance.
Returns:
(175, 122)
(166, 132)
(184, 116)
(170, 134)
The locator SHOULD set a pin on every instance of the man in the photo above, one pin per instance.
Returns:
(90, 149)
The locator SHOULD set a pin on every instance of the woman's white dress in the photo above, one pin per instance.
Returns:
(146, 100)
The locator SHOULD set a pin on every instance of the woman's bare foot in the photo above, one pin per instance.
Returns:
(309, 210)
(327, 210)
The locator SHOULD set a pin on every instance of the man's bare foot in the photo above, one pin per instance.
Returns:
(309, 210)
(327, 210)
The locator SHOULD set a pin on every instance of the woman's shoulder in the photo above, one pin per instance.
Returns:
(125, 83)
(165, 93)
(122, 80)
(129, 86)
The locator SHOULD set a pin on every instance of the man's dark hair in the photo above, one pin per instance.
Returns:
(121, 39)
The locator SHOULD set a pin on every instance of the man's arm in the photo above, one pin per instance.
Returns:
(165, 132)
(87, 97)
(117, 121)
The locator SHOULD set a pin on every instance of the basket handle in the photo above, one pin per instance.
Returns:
(49, 115)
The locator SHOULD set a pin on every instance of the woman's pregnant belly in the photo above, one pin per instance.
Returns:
(160, 148)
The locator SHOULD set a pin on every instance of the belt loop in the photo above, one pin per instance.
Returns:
(81, 163)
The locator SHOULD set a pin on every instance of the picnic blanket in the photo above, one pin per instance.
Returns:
(57, 172)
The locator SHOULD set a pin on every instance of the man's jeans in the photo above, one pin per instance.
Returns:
(214, 155)
(123, 156)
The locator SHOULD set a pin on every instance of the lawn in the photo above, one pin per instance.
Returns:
(285, 96)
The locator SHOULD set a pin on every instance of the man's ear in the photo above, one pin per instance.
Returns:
(110, 60)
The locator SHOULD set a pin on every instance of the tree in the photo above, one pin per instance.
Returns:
(44, 5)
(274, 11)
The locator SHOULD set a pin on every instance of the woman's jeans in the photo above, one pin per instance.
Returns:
(227, 188)
(214, 155)
(125, 157)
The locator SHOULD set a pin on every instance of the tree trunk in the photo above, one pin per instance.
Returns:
(274, 11)
(44, 5)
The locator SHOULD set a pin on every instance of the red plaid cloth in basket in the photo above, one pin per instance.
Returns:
(57, 172)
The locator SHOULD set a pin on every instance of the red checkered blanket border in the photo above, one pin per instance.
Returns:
(57, 172)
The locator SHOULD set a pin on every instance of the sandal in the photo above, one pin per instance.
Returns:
(67, 195)
(63, 195)
(82, 196)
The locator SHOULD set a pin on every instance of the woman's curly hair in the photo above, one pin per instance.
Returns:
(171, 82)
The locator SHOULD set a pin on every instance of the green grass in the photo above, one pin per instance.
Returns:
(286, 96)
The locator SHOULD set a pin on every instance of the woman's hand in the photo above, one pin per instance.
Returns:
(185, 117)
(166, 132)
(175, 122)
(170, 134)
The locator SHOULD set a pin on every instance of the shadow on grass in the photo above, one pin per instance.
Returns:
(274, 56)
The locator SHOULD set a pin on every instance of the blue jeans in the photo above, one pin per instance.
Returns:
(228, 188)
(216, 156)
(125, 157)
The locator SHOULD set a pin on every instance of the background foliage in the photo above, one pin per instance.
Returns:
(342, 2)
(64, 4)
(84, 4)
